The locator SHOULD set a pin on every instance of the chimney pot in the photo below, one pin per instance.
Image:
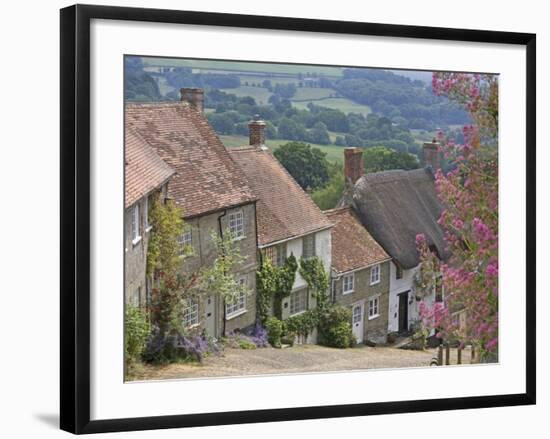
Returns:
(193, 96)
(256, 130)
(353, 164)
(432, 155)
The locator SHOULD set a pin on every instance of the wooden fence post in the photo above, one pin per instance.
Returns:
(473, 355)
(459, 355)
(447, 354)
(440, 355)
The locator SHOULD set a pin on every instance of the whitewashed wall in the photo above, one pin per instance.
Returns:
(398, 286)
(322, 250)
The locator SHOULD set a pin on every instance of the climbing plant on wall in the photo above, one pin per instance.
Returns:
(273, 284)
(313, 272)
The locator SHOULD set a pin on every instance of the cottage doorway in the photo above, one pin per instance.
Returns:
(403, 314)
(210, 316)
(358, 321)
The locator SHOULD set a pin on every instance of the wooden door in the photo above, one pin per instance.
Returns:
(403, 316)
(358, 321)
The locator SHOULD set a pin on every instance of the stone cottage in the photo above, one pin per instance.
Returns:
(214, 197)
(360, 276)
(146, 175)
(395, 206)
(288, 220)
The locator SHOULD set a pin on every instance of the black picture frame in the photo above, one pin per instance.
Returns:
(75, 217)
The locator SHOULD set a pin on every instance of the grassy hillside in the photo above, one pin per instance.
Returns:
(307, 93)
(343, 104)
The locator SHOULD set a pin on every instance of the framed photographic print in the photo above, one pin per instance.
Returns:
(273, 218)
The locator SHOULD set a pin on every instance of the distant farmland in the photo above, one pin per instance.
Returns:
(252, 75)
(239, 66)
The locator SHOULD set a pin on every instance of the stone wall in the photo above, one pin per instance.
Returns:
(375, 329)
(205, 252)
(135, 258)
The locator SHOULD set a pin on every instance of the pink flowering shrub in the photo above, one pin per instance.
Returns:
(469, 193)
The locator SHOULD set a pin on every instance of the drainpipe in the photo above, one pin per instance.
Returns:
(223, 300)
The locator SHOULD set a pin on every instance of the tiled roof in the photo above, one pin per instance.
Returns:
(206, 178)
(144, 170)
(283, 209)
(397, 205)
(352, 245)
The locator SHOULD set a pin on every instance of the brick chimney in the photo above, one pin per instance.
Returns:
(353, 164)
(194, 96)
(432, 155)
(256, 130)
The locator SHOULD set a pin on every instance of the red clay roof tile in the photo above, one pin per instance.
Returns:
(144, 170)
(352, 245)
(283, 209)
(206, 178)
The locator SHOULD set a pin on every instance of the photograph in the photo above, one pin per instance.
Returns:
(288, 218)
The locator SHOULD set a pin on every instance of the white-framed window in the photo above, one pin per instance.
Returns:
(298, 301)
(374, 307)
(239, 306)
(308, 246)
(148, 226)
(236, 224)
(276, 254)
(398, 272)
(375, 274)
(135, 224)
(348, 283)
(185, 241)
(191, 314)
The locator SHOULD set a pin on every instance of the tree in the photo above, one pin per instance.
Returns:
(328, 196)
(307, 165)
(221, 122)
(319, 134)
(380, 158)
(470, 195)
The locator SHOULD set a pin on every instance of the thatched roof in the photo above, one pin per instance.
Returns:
(397, 205)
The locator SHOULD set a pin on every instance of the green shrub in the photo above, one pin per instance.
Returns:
(335, 328)
(246, 344)
(274, 331)
(289, 338)
(136, 328)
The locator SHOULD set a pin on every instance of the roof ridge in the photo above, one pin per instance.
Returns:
(158, 104)
(336, 210)
(310, 200)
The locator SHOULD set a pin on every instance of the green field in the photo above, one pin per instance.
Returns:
(308, 93)
(259, 79)
(243, 66)
(260, 95)
(342, 104)
(334, 153)
(164, 87)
